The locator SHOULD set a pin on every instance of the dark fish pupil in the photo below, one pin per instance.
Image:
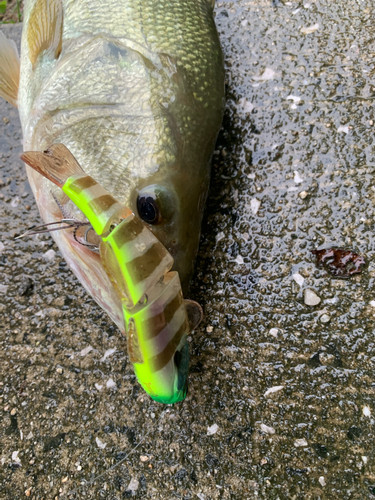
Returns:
(147, 209)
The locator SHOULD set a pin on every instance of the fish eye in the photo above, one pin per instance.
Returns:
(148, 209)
(156, 204)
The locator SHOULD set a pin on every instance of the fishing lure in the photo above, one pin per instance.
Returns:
(156, 316)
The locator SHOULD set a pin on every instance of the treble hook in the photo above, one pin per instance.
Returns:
(91, 246)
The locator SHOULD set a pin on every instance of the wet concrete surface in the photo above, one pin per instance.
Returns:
(281, 393)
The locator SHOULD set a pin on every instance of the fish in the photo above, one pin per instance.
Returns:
(134, 90)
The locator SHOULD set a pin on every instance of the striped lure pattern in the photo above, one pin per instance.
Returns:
(96, 203)
(139, 266)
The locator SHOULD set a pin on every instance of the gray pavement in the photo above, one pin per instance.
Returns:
(281, 393)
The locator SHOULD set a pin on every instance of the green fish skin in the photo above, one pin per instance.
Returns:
(135, 90)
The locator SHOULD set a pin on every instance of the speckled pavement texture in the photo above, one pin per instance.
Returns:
(281, 393)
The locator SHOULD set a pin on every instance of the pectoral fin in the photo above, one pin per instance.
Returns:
(9, 70)
(45, 28)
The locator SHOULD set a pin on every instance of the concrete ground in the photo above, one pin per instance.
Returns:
(281, 393)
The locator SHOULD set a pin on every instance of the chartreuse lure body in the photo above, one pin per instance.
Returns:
(138, 265)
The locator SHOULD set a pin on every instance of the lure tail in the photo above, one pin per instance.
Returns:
(57, 163)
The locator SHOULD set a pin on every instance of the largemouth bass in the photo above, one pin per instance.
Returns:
(134, 89)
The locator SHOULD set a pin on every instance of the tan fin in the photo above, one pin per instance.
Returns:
(9, 70)
(57, 163)
(45, 28)
(194, 313)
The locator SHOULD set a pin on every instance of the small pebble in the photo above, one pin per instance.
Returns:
(311, 298)
(133, 485)
(271, 390)
(366, 411)
(59, 370)
(98, 387)
(303, 194)
(365, 459)
(3, 289)
(6, 120)
(298, 278)
(28, 492)
(268, 430)
(274, 332)
(86, 350)
(15, 202)
(2, 247)
(322, 481)
(297, 178)
(324, 318)
(100, 443)
(212, 430)
(15, 457)
(79, 467)
(344, 129)
(144, 458)
(49, 255)
(111, 383)
(300, 442)
(295, 100)
(239, 259)
(209, 329)
(107, 353)
(64, 480)
(372, 303)
(254, 205)
(14, 411)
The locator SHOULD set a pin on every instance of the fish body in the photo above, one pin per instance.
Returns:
(135, 90)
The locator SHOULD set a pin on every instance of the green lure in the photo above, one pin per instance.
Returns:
(138, 265)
